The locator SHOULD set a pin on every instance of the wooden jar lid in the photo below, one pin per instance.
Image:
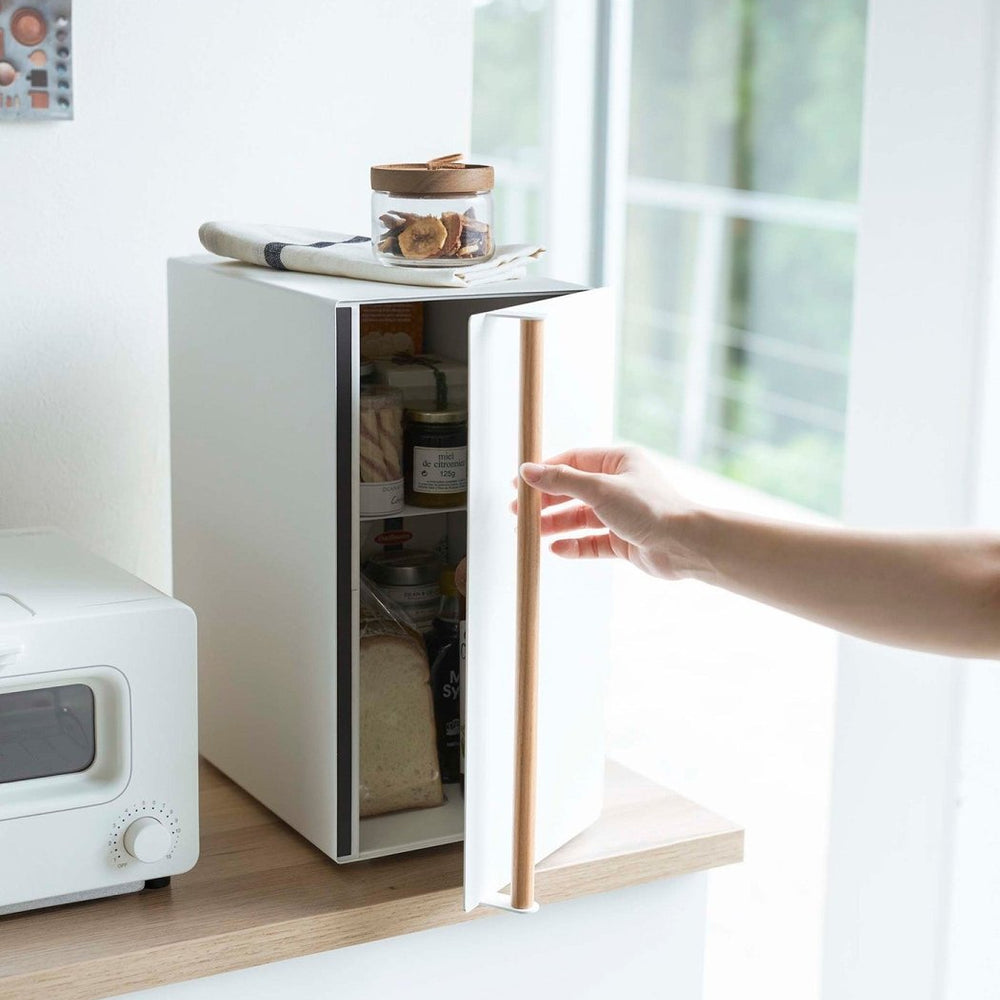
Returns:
(444, 176)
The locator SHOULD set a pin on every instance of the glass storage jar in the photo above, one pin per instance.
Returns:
(380, 458)
(435, 456)
(435, 214)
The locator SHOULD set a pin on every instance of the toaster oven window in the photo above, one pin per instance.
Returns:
(46, 732)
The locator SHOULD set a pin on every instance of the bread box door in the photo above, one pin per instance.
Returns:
(578, 366)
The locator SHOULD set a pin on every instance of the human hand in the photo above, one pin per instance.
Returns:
(622, 499)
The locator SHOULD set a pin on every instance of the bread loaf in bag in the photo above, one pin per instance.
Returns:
(398, 748)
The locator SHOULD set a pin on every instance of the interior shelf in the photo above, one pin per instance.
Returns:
(415, 828)
(410, 511)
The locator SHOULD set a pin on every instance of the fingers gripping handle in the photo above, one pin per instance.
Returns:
(529, 509)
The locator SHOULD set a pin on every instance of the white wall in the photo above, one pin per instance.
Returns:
(185, 111)
(914, 418)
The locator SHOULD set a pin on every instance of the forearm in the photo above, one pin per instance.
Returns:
(938, 592)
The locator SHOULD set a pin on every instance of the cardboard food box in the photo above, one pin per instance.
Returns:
(416, 378)
(389, 328)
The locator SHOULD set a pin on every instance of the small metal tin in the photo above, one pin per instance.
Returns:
(409, 578)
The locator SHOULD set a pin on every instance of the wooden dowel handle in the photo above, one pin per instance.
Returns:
(529, 541)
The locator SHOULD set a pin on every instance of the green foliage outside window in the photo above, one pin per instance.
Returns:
(755, 95)
(745, 95)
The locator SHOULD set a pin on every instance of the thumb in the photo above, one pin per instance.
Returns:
(564, 480)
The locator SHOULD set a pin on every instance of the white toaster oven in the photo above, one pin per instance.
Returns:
(98, 727)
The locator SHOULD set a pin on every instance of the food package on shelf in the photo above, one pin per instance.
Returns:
(398, 747)
(417, 377)
(381, 451)
(389, 328)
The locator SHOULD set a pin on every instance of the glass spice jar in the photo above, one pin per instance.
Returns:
(434, 214)
(435, 457)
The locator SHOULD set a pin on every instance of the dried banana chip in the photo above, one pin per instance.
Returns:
(422, 238)
(453, 226)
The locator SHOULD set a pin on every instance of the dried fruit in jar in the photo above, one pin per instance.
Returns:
(473, 225)
(450, 236)
(422, 238)
(453, 224)
(476, 239)
(393, 226)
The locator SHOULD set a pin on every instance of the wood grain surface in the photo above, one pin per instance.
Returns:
(261, 893)
(529, 557)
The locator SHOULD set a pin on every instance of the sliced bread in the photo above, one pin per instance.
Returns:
(399, 764)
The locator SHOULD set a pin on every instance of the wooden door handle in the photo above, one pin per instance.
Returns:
(529, 541)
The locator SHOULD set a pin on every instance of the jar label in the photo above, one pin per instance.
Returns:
(420, 601)
(440, 470)
(381, 499)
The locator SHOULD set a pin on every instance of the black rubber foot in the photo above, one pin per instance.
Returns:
(157, 883)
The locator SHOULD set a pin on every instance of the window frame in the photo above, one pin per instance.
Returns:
(909, 912)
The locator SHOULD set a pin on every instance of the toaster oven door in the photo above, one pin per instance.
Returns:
(65, 740)
(46, 732)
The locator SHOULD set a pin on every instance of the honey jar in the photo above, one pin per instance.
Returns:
(435, 456)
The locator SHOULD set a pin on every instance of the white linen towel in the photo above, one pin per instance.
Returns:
(288, 248)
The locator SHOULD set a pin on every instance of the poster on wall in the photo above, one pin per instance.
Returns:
(36, 60)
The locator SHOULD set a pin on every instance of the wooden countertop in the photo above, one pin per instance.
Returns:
(261, 893)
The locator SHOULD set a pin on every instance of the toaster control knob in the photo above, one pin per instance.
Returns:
(147, 839)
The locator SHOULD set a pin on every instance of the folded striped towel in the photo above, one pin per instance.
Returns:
(288, 248)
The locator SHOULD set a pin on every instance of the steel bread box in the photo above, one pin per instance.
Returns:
(269, 447)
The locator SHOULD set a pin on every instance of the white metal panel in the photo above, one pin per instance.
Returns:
(337, 290)
(575, 597)
(255, 513)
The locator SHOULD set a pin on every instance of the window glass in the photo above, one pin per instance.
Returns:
(760, 95)
(659, 260)
(46, 732)
(507, 79)
(508, 110)
(745, 123)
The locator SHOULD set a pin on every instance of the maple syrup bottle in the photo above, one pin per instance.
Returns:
(445, 659)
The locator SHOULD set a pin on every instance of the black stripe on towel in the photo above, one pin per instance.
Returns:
(272, 251)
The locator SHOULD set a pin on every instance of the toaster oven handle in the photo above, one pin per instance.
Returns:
(529, 509)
